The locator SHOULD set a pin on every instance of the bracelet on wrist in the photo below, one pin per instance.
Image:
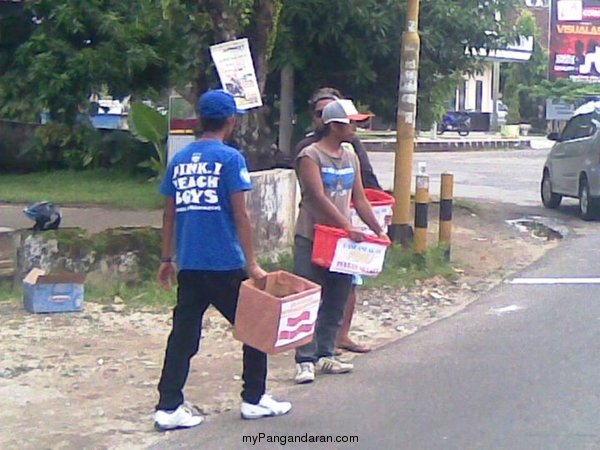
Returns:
(167, 259)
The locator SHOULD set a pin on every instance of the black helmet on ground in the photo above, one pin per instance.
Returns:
(45, 214)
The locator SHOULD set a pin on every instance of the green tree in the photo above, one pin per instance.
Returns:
(355, 46)
(214, 21)
(565, 90)
(521, 78)
(72, 49)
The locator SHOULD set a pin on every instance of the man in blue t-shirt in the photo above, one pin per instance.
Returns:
(204, 187)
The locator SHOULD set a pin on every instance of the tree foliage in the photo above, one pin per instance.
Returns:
(523, 78)
(72, 49)
(59, 52)
(355, 46)
(149, 125)
(565, 90)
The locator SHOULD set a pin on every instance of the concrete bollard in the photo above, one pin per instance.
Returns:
(421, 209)
(445, 225)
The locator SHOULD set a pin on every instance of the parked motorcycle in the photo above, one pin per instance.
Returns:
(455, 121)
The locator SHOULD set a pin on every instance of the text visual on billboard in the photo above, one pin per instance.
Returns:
(575, 40)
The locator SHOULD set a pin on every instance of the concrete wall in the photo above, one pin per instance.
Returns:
(487, 103)
(8, 252)
(116, 254)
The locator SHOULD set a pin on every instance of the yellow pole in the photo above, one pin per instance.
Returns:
(446, 194)
(400, 230)
(421, 212)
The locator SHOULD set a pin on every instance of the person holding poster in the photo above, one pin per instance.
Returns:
(329, 175)
(205, 211)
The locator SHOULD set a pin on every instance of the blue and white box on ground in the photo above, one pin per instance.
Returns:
(55, 292)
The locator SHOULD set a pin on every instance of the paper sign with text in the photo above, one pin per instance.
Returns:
(358, 258)
(236, 72)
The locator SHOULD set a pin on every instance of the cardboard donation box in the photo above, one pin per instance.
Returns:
(277, 313)
(56, 292)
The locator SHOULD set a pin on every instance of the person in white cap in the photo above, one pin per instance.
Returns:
(329, 175)
(321, 98)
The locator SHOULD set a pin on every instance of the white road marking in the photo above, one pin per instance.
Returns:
(551, 281)
(505, 309)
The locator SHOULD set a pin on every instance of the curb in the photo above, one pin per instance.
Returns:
(451, 146)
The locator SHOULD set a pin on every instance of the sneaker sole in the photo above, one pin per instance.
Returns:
(162, 429)
(265, 416)
(256, 417)
(305, 381)
(335, 373)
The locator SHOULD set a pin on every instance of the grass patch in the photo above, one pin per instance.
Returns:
(467, 205)
(90, 187)
(403, 267)
(147, 293)
(8, 293)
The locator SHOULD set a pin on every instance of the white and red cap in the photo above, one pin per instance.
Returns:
(342, 111)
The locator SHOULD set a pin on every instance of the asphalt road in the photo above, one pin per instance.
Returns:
(509, 176)
(516, 370)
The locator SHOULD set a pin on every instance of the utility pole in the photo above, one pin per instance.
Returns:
(495, 91)
(401, 230)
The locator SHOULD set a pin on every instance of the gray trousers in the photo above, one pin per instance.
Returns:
(335, 291)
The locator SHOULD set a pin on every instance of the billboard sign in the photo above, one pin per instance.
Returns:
(519, 51)
(575, 40)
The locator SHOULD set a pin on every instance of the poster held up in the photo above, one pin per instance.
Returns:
(236, 72)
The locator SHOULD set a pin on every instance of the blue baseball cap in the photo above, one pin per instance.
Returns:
(217, 104)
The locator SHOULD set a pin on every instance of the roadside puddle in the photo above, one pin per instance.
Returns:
(542, 228)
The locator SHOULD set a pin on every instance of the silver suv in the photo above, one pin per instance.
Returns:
(572, 168)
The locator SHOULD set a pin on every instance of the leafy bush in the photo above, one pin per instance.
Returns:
(148, 125)
(32, 147)
(60, 146)
(119, 149)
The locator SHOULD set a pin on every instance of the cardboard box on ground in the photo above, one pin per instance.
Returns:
(277, 313)
(54, 292)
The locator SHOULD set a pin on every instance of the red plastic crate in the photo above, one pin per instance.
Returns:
(378, 198)
(325, 242)
(382, 204)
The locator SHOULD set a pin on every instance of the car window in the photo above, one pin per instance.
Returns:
(579, 127)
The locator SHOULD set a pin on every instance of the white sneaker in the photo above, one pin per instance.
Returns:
(185, 416)
(305, 373)
(333, 366)
(266, 407)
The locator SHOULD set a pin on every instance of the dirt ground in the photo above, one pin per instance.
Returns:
(88, 380)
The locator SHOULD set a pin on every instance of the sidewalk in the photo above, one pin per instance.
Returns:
(425, 142)
(93, 219)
